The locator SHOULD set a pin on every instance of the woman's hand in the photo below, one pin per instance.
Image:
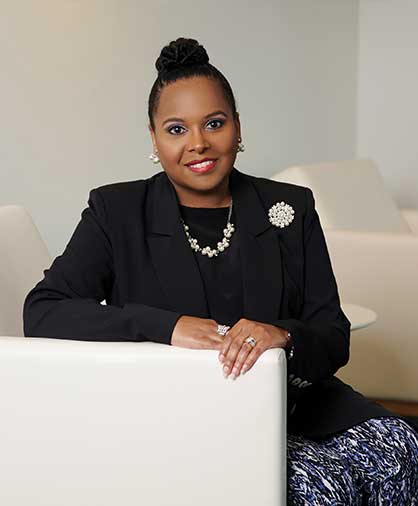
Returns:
(237, 356)
(196, 333)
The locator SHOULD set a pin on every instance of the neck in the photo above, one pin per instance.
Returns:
(216, 197)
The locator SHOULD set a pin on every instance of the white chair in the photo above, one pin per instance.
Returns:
(88, 423)
(24, 255)
(373, 247)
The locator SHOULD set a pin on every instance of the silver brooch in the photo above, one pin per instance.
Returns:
(281, 214)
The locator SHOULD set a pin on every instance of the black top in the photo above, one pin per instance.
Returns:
(221, 275)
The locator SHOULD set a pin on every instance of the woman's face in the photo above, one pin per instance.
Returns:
(194, 121)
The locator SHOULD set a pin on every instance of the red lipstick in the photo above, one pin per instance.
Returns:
(207, 166)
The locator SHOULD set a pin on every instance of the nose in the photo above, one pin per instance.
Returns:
(198, 142)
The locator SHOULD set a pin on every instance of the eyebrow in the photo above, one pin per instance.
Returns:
(205, 117)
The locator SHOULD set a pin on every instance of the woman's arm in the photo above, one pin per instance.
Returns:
(321, 335)
(66, 303)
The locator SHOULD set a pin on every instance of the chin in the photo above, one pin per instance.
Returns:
(207, 181)
(203, 186)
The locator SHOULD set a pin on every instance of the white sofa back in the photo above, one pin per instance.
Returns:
(349, 195)
(122, 423)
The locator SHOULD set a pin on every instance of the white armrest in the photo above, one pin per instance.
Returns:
(411, 217)
(380, 271)
(138, 423)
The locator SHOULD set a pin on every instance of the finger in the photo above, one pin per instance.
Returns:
(244, 352)
(229, 337)
(233, 351)
(252, 358)
(227, 350)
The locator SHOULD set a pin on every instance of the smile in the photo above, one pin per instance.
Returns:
(203, 167)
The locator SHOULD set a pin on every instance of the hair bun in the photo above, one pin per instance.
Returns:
(181, 53)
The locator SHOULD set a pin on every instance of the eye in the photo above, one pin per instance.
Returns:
(216, 121)
(172, 128)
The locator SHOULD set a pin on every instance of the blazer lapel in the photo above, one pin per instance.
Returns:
(260, 252)
(173, 259)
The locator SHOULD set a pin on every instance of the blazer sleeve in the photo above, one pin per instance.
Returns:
(321, 334)
(66, 302)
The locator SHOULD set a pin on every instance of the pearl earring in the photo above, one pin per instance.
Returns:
(154, 158)
(240, 146)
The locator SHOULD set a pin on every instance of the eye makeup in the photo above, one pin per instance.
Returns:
(220, 121)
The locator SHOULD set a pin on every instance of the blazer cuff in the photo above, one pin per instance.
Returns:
(152, 323)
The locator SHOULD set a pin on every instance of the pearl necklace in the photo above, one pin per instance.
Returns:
(222, 245)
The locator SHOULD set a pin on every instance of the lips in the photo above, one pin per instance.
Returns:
(202, 166)
(194, 162)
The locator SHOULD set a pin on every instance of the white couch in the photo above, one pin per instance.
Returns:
(121, 423)
(373, 247)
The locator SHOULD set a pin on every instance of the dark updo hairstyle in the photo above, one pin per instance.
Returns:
(184, 58)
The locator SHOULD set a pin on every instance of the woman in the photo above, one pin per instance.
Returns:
(204, 256)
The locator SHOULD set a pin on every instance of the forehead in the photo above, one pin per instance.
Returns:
(190, 97)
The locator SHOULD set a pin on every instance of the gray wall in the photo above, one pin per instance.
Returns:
(75, 79)
(387, 93)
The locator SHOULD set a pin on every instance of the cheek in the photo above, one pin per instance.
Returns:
(228, 142)
(171, 151)
(229, 149)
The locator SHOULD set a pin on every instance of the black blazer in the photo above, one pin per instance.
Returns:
(130, 249)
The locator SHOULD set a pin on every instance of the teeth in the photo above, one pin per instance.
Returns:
(201, 165)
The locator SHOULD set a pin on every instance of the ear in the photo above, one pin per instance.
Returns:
(238, 125)
(153, 139)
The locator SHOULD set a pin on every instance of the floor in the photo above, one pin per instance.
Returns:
(401, 407)
(406, 409)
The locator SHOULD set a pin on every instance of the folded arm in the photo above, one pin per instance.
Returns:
(66, 303)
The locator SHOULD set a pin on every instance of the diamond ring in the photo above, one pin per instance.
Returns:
(222, 329)
(250, 340)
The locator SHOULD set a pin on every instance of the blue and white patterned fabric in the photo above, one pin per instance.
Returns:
(373, 463)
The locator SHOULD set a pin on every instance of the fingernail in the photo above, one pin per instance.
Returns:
(221, 358)
(225, 370)
(244, 369)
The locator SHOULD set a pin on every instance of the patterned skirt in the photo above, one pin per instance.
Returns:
(373, 463)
